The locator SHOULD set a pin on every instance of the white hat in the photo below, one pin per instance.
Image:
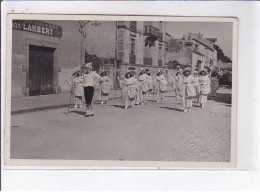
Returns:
(159, 70)
(187, 69)
(141, 68)
(196, 71)
(88, 65)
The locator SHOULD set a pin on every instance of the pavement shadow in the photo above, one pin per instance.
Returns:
(79, 112)
(151, 100)
(119, 106)
(66, 113)
(224, 98)
(170, 108)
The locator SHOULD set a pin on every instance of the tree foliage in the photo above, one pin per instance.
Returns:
(221, 56)
(97, 62)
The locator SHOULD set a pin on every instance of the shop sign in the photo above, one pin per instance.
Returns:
(38, 27)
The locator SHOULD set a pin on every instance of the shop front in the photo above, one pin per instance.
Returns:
(44, 54)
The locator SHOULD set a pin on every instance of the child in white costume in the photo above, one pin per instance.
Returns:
(178, 83)
(188, 90)
(105, 85)
(129, 89)
(90, 79)
(161, 85)
(196, 86)
(204, 82)
(143, 86)
(150, 81)
(77, 85)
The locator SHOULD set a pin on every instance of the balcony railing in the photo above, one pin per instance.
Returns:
(133, 26)
(148, 61)
(159, 62)
(132, 59)
(149, 30)
(121, 24)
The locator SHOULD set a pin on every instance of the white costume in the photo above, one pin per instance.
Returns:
(204, 82)
(161, 86)
(197, 88)
(178, 84)
(143, 87)
(188, 91)
(105, 85)
(150, 82)
(129, 90)
(77, 90)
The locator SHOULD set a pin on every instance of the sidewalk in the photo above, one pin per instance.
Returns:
(34, 103)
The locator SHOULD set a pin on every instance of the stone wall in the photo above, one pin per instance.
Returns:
(66, 55)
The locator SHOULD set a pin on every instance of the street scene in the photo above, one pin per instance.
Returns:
(153, 132)
(121, 90)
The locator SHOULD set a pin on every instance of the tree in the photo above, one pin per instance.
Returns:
(221, 56)
(96, 62)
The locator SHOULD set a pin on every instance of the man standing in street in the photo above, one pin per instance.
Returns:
(90, 78)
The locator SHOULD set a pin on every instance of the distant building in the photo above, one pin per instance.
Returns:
(192, 50)
(204, 47)
(178, 53)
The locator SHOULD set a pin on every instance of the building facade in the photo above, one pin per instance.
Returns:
(43, 54)
(204, 47)
(46, 53)
(141, 44)
(178, 52)
(192, 50)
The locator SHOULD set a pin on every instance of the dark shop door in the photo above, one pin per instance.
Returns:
(41, 61)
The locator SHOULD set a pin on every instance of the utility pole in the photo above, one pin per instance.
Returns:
(116, 64)
(83, 35)
(82, 24)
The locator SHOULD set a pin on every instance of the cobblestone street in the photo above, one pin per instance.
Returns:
(155, 131)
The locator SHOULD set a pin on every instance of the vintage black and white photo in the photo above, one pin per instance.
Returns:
(124, 89)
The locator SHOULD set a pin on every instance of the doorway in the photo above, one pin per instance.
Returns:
(41, 70)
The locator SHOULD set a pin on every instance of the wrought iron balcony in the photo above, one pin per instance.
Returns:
(133, 26)
(121, 24)
(148, 61)
(151, 31)
(132, 59)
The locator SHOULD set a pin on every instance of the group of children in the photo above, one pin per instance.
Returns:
(195, 89)
(136, 88)
(83, 84)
